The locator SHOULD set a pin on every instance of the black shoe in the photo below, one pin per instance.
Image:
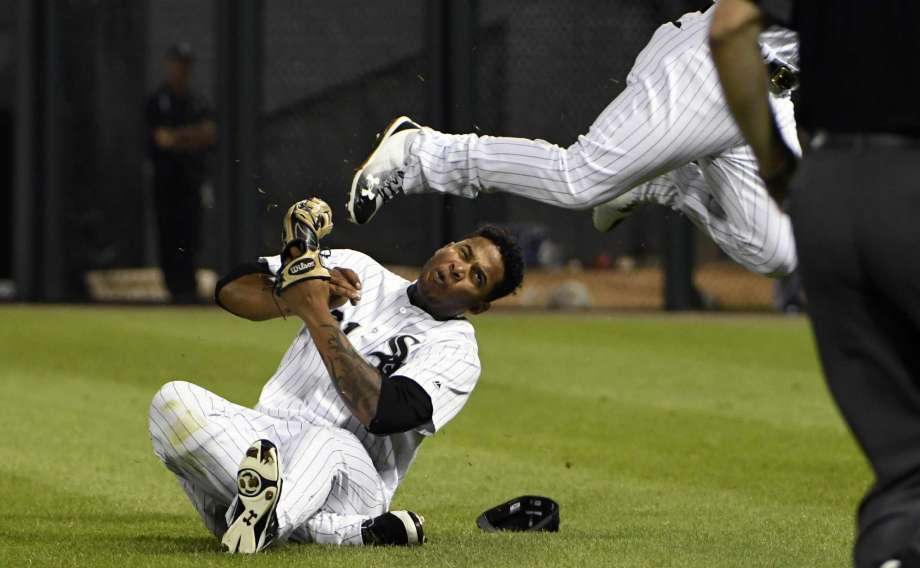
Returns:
(254, 524)
(380, 177)
(399, 528)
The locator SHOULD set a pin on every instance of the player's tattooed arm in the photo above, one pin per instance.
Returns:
(357, 382)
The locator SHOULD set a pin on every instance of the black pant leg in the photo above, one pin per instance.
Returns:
(178, 224)
(857, 263)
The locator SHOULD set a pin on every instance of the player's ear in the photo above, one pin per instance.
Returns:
(480, 308)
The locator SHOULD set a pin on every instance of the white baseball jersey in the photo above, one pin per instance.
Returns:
(671, 116)
(336, 474)
(398, 338)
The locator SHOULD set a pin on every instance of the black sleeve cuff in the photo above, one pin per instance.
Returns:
(404, 405)
(238, 272)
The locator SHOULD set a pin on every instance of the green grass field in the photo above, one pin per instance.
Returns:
(683, 441)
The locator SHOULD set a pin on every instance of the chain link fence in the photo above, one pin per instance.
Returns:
(331, 75)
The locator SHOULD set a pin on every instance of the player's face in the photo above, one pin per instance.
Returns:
(460, 276)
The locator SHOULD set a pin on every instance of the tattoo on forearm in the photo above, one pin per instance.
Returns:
(357, 382)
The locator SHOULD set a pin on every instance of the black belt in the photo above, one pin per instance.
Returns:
(783, 79)
(843, 140)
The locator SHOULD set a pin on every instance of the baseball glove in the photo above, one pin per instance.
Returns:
(305, 223)
(308, 219)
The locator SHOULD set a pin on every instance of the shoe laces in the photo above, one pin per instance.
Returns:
(392, 185)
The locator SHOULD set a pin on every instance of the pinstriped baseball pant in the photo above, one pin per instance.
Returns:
(330, 484)
(671, 114)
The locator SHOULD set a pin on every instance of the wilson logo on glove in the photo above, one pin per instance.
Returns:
(302, 266)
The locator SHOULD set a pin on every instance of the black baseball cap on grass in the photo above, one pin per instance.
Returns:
(525, 513)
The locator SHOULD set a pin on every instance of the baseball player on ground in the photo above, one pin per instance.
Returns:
(667, 138)
(379, 364)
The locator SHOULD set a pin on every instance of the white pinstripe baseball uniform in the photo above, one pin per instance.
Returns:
(336, 473)
(671, 114)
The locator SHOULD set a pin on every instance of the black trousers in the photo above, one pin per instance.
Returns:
(856, 216)
(178, 203)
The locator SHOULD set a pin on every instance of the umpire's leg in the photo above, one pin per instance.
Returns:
(856, 215)
(178, 221)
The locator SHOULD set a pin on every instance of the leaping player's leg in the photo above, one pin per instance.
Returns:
(755, 232)
(671, 112)
(726, 199)
(735, 210)
(766, 248)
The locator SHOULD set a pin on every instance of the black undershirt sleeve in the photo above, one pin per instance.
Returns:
(403, 406)
(238, 272)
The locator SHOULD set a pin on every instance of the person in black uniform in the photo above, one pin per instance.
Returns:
(855, 207)
(180, 132)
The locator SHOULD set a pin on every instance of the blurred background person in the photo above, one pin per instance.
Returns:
(181, 130)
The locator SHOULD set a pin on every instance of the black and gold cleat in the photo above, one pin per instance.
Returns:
(254, 526)
(380, 178)
(396, 528)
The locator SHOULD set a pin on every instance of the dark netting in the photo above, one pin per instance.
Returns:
(95, 154)
(7, 88)
(104, 60)
(563, 63)
(335, 73)
(333, 78)
(330, 76)
(181, 21)
(560, 65)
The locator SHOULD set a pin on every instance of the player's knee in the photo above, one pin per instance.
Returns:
(167, 410)
(168, 398)
(777, 267)
(787, 267)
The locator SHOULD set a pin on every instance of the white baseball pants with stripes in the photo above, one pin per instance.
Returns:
(672, 113)
(330, 484)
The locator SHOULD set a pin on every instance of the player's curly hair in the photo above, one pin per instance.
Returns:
(512, 259)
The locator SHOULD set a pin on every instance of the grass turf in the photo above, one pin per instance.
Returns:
(679, 441)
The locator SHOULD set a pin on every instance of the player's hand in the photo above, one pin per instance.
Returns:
(344, 286)
(777, 170)
(308, 296)
(164, 138)
(300, 266)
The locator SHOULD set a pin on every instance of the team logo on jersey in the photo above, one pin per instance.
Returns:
(399, 348)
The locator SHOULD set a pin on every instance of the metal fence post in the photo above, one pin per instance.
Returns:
(679, 292)
(460, 26)
(27, 148)
(239, 40)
